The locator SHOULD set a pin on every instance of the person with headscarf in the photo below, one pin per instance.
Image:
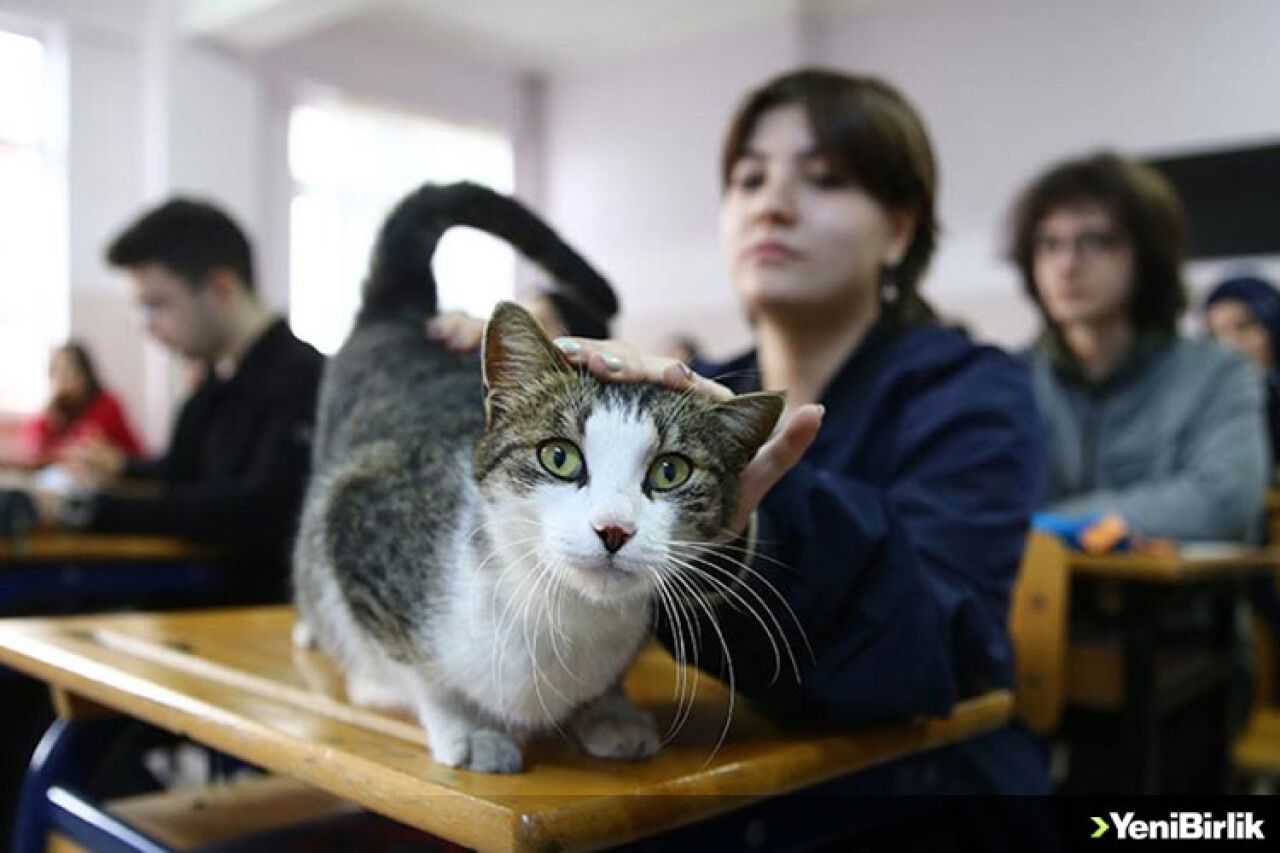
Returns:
(1243, 312)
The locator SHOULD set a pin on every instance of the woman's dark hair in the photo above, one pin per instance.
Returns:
(190, 237)
(872, 134)
(1145, 207)
(69, 410)
(1261, 298)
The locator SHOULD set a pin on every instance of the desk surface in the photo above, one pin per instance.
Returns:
(98, 548)
(233, 680)
(1190, 563)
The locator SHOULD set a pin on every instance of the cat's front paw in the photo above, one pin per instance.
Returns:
(494, 752)
(618, 730)
(483, 750)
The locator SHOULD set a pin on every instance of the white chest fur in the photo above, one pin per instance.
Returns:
(529, 652)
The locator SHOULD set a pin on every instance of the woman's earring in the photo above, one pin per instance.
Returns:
(889, 286)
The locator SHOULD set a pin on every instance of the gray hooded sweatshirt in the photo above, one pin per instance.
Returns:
(1174, 439)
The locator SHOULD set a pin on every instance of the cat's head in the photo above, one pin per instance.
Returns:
(607, 486)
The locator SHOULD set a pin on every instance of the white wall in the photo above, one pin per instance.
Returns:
(624, 157)
(632, 175)
(1006, 87)
(403, 74)
(105, 170)
(152, 114)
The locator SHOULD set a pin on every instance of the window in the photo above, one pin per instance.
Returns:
(34, 298)
(350, 164)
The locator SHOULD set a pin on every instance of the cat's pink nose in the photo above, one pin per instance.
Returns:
(613, 537)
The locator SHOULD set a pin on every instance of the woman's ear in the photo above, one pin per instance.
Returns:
(902, 230)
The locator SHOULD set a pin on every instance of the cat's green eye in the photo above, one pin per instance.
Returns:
(667, 472)
(561, 459)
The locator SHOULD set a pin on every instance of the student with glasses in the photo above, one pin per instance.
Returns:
(1167, 431)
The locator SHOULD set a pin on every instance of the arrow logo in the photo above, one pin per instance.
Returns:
(1102, 828)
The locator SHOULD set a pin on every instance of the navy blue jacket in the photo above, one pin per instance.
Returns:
(903, 527)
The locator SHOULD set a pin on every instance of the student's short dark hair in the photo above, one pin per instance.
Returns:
(872, 133)
(1145, 207)
(190, 237)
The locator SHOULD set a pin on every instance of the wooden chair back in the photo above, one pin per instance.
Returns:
(1038, 616)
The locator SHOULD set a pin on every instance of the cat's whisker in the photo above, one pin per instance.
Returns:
(660, 593)
(685, 400)
(496, 586)
(783, 640)
(686, 685)
(710, 558)
(500, 524)
(685, 688)
(705, 550)
(734, 374)
(554, 620)
(543, 572)
(727, 658)
(741, 549)
(504, 625)
(748, 609)
(720, 548)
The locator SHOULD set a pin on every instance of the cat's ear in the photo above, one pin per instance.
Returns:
(748, 421)
(516, 349)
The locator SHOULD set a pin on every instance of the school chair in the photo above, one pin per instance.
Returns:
(1255, 755)
(1038, 628)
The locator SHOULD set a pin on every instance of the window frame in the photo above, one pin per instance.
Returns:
(351, 197)
(54, 156)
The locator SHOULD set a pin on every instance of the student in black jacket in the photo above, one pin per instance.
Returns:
(239, 454)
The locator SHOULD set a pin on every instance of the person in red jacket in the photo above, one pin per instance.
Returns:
(80, 409)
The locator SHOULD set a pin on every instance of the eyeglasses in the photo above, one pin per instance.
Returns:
(1087, 244)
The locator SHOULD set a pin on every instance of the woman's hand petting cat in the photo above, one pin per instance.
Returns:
(456, 330)
(614, 361)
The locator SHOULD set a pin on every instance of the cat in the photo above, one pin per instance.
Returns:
(485, 535)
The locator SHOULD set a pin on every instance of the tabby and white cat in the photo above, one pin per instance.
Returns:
(490, 555)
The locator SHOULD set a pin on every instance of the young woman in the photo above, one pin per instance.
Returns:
(80, 409)
(890, 510)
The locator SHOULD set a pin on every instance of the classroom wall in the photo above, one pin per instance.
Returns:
(151, 114)
(624, 156)
(632, 153)
(1006, 87)
(383, 70)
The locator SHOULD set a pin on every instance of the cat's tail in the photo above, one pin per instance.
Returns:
(400, 279)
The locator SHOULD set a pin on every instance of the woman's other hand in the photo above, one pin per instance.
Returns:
(456, 330)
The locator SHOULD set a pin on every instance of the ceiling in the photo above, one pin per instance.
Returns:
(534, 35)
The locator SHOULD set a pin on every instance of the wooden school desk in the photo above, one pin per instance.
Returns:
(52, 572)
(233, 681)
(1126, 657)
(49, 572)
(1273, 515)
